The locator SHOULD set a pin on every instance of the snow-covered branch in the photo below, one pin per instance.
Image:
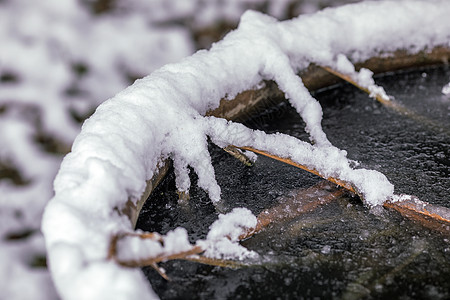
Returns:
(162, 116)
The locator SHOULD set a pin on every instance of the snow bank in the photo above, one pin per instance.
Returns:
(161, 116)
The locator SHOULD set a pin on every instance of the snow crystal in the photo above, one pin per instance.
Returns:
(401, 197)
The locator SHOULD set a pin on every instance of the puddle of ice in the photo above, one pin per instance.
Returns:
(340, 250)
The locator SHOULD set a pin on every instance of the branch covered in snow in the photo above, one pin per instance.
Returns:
(162, 116)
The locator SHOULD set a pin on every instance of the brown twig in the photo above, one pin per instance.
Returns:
(388, 102)
(431, 216)
(303, 202)
(337, 181)
(193, 254)
(238, 154)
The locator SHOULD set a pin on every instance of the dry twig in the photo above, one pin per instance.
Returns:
(430, 216)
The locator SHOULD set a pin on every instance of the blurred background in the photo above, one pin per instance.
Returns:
(59, 59)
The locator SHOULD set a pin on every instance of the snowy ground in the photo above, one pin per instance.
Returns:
(58, 61)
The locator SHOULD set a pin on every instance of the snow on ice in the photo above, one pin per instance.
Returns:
(121, 145)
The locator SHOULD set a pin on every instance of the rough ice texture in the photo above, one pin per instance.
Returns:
(161, 116)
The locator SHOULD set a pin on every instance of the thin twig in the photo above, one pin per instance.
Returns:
(160, 271)
(303, 202)
(193, 254)
(385, 101)
(238, 154)
(394, 105)
(214, 261)
(429, 215)
(337, 181)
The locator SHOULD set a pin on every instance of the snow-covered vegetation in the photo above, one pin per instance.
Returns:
(58, 61)
(62, 60)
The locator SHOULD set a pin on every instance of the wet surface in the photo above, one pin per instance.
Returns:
(340, 250)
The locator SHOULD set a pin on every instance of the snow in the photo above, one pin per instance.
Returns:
(42, 41)
(133, 247)
(363, 77)
(446, 89)
(222, 240)
(121, 145)
(330, 161)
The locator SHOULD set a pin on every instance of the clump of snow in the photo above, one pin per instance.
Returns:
(446, 89)
(162, 116)
(363, 78)
(134, 247)
(222, 240)
(401, 197)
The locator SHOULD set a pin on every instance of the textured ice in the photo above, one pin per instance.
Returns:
(161, 116)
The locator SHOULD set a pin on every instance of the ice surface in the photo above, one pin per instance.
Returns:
(161, 116)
